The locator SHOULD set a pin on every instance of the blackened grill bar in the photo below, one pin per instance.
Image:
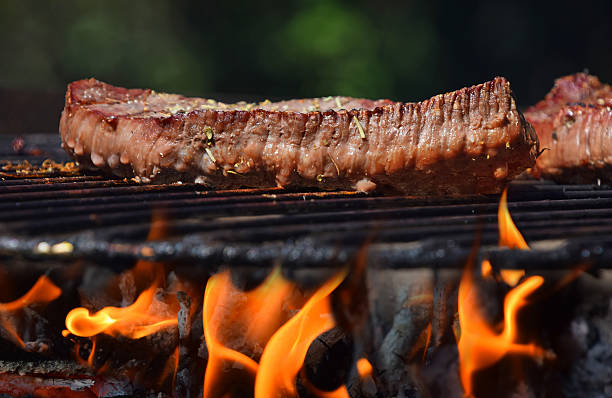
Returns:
(307, 254)
(316, 212)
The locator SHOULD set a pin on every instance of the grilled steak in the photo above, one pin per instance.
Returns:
(574, 121)
(468, 141)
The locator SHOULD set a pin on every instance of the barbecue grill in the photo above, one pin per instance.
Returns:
(52, 211)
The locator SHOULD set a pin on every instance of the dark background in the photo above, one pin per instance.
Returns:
(403, 50)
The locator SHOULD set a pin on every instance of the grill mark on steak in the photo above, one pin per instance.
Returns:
(469, 141)
(574, 122)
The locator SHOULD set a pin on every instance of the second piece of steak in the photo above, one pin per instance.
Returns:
(574, 124)
(468, 141)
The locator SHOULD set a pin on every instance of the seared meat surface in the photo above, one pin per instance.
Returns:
(467, 141)
(574, 124)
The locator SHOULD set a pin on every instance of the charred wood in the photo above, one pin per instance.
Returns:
(58, 378)
(187, 378)
(446, 283)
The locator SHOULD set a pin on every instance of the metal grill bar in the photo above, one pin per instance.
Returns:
(49, 180)
(71, 214)
(307, 253)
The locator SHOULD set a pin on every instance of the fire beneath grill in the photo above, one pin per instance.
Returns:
(113, 288)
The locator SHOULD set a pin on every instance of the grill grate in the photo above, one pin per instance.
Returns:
(110, 218)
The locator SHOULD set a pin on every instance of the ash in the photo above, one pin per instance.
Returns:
(590, 375)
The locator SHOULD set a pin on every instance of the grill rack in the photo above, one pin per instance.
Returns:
(109, 219)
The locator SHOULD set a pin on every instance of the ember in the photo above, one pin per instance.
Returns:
(364, 367)
(43, 292)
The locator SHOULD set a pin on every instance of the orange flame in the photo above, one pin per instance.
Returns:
(238, 323)
(486, 269)
(170, 369)
(427, 332)
(285, 352)
(510, 237)
(145, 316)
(43, 291)
(479, 344)
(227, 309)
(92, 353)
(364, 367)
(77, 351)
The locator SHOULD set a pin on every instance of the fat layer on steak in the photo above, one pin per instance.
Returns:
(574, 125)
(468, 141)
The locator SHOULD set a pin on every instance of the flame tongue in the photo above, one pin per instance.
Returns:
(227, 311)
(510, 237)
(145, 316)
(479, 345)
(133, 321)
(43, 291)
(285, 352)
(238, 325)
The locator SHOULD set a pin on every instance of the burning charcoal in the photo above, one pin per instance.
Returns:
(184, 323)
(58, 378)
(401, 341)
(395, 329)
(141, 338)
(440, 378)
(361, 381)
(127, 286)
(184, 383)
(350, 299)
(110, 388)
(329, 360)
(368, 388)
(590, 375)
(22, 378)
(389, 290)
(203, 350)
(35, 335)
(185, 365)
(444, 307)
(38, 346)
(21, 324)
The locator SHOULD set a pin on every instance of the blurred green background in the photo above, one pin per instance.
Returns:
(403, 50)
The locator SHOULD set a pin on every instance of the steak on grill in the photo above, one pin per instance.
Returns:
(468, 141)
(574, 122)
